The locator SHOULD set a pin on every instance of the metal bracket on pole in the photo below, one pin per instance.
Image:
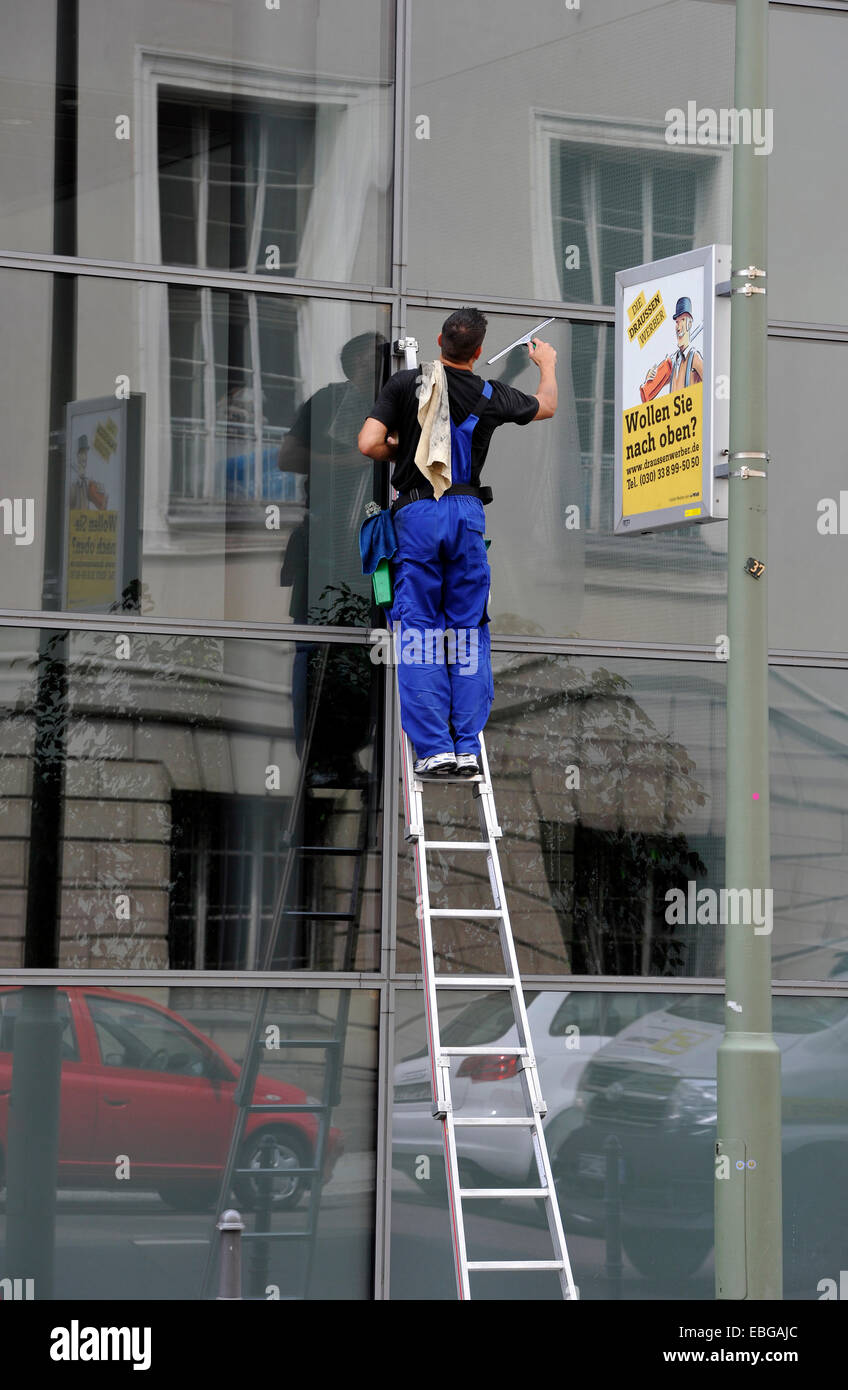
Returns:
(750, 272)
(749, 289)
(723, 470)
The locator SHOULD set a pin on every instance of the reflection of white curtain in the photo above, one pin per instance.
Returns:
(537, 565)
(352, 164)
(352, 167)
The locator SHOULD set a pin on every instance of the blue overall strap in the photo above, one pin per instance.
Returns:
(690, 362)
(461, 440)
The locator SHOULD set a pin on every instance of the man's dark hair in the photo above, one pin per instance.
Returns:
(462, 334)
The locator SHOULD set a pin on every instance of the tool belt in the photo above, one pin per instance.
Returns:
(420, 494)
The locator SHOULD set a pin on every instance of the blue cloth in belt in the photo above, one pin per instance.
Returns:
(377, 541)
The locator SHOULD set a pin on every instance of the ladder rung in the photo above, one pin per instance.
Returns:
(283, 1108)
(465, 912)
(480, 1051)
(278, 1235)
(439, 778)
(505, 1192)
(327, 849)
(455, 844)
(324, 916)
(483, 1265)
(474, 981)
(528, 1121)
(274, 1172)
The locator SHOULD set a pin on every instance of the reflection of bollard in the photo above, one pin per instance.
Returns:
(612, 1212)
(229, 1277)
(260, 1252)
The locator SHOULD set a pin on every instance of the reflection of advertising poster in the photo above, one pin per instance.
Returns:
(666, 396)
(102, 474)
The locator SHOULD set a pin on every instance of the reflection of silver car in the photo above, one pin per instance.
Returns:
(566, 1029)
(653, 1087)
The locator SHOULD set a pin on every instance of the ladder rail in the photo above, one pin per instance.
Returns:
(440, 1056)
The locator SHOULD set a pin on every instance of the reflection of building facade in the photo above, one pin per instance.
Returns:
(287, 204)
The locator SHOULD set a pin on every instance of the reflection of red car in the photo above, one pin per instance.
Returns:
(139, 1080)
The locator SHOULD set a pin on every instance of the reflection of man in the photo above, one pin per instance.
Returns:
(686, 364)
(86, 493)
(322, 443)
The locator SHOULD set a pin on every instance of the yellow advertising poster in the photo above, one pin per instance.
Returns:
(92, 557)
(100, 511)
(663, 452)
(662, 389)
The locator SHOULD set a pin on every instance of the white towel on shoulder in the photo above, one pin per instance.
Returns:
(433, 455)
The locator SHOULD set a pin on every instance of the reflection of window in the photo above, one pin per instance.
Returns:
(608, 889)
(10, 1008)
(612, 195)
(618, 209)
(233, 389)
(130, 1035)
(235, 181)
(226, 859)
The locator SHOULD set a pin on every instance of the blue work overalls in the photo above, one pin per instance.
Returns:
(439, 612)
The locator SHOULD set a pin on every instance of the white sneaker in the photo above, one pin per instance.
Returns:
(440, 765)
(467, 765)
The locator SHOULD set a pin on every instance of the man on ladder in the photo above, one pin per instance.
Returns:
(436, 424)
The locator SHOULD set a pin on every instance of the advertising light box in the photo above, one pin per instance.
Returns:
(672, 391)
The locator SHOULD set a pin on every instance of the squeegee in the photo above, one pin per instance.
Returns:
(526, 339)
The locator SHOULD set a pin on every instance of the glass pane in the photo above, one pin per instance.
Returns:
(187, 452)
(808, 54)
(146, 1113)
(610, 795)
(556, 567)
(632, 1086)
(596, 186)
(609, 790)
(164, 824)
(808, 501)
(224, 139)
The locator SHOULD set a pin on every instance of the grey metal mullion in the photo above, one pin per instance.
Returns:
(383, 1156)
(652, 984)
(517, 644)
(400, 184)
(386, 295)
(204, 979)
(193, 275)
(207, 333)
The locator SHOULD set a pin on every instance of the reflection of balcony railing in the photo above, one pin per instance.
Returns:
(238, 472)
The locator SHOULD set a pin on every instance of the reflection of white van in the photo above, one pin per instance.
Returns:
(653, 1087)
(566, 1029)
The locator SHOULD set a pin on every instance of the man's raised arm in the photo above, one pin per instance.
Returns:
(545, 358)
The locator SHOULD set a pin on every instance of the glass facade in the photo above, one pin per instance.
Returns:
(217, 223)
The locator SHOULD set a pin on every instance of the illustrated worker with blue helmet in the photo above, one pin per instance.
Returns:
(686, 364)
(436, 423)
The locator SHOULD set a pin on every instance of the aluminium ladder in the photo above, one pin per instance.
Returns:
(440, 1056)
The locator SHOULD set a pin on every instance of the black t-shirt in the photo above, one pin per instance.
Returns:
(396, 407)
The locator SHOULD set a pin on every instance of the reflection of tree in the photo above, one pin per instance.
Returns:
(611, 845)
